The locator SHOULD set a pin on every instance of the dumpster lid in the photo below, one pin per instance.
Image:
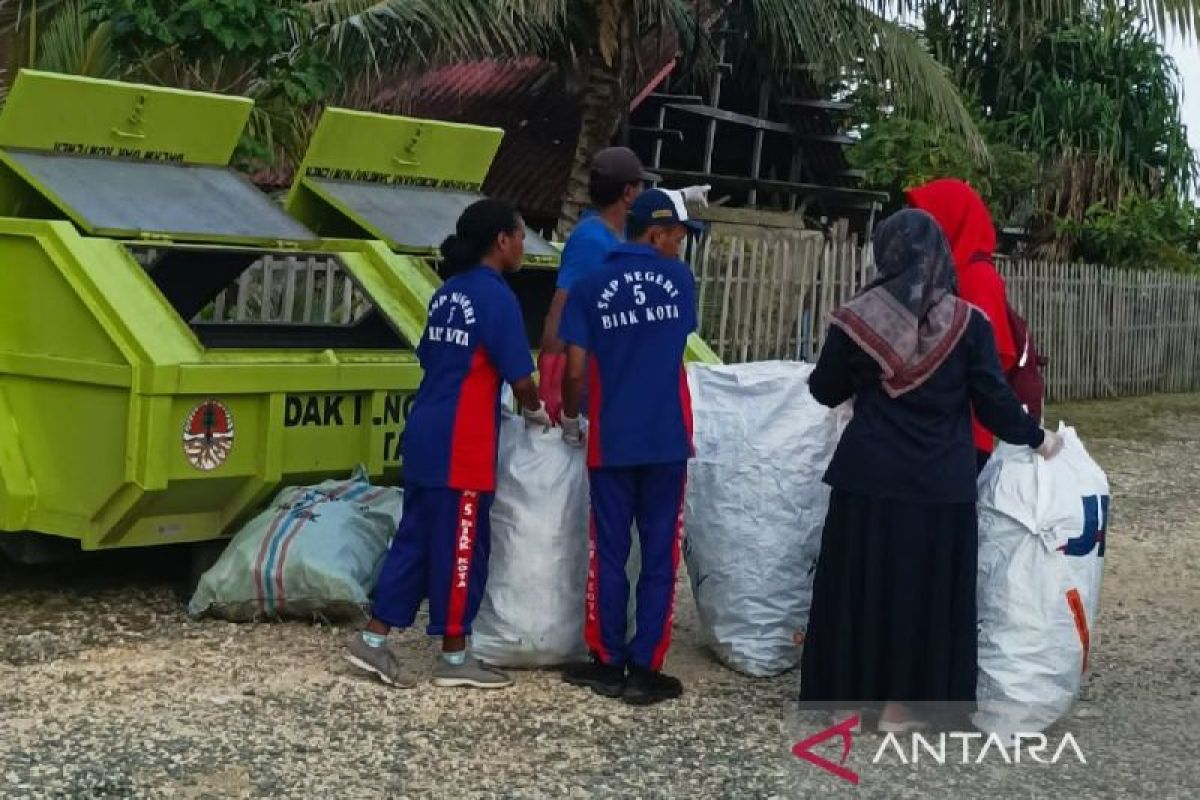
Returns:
(124, 160)
(403, 180)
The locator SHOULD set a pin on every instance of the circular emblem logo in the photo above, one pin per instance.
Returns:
(208, 435)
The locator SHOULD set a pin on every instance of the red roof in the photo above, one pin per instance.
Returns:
(531, 99)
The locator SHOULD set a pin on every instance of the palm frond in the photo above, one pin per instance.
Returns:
(77, 42)
(1178, 15)
(18, 13)
(391, 35)
(839, 40)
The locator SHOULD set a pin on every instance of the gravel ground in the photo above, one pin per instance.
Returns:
(108, 690)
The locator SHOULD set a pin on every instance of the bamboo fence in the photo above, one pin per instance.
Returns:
(1108, 332)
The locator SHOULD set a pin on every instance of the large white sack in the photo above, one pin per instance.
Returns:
(314, 553)
(1041, 555)
(755, 508)
(532, 610)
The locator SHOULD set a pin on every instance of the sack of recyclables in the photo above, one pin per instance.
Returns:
(533, 606)
(314, 553)
(755, 508)
(1042, 530)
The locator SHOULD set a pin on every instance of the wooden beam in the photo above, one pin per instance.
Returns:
(675, 98)
(828, 138)
(721, 115)
(823, 105)
(653, 84)
(768, 185)
(658, 133)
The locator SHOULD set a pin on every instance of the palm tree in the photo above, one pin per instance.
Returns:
(595, 42)
(1089, 90)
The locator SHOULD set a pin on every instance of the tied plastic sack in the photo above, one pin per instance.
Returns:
(533, 607)
(1042, 527)
(314, 553)
(756, 508)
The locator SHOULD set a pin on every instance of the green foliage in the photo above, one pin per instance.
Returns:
(1105, 85)
(1157, 233)
(198, 29)
(898, 153)
(78, 42)
(1080, 107)
(262, 48)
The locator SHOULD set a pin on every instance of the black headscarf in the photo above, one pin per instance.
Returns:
(910, 318)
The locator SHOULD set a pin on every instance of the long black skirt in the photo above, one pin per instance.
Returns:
(893, 611)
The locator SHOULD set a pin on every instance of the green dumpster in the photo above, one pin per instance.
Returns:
(405, 181)
(148, 395)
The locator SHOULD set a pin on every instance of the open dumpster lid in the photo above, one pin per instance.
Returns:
(125, 160)
(402, 180)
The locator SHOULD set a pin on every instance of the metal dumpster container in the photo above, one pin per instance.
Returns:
(173, 345)
(405, 181)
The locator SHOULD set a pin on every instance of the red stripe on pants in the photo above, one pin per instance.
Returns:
(464, 551)
(591, 626)
(664, 641)
(594, 451)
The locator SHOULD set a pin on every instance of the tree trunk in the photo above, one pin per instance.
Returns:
(600, 112)
(605, 100)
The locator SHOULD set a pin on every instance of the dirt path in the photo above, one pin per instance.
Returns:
(108, 690)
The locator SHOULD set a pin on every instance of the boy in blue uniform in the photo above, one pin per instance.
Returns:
(614, 183)
(473, 342)
(626, 326)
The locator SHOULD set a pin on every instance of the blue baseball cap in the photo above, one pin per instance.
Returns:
(662, 207)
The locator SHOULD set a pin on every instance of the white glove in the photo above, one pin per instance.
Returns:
(537, 417)
(573, 430)
(1050, 446)
(696, 194)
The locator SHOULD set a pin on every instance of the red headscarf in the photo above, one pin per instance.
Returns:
(964, 218)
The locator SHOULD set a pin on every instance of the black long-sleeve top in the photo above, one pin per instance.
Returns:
(917, 447)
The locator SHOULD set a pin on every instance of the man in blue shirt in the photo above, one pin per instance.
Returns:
(614, 183)
(626, 326)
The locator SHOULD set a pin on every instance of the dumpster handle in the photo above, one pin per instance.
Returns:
(405, 163)
(127, 134)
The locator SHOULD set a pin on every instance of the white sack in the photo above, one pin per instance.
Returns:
(756, 508)
(1041, 555)
(532, 610)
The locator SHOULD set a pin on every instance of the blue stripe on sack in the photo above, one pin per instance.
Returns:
(317, 497)
(307, 500)
(275, 573)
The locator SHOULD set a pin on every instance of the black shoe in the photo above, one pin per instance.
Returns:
(645, 687)
(602, 679)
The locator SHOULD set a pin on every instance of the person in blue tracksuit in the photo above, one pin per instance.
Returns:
(626, 326)
(614, 182)
(473, 342)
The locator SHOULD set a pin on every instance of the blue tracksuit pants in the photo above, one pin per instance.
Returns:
(652, 496)
(439, 552)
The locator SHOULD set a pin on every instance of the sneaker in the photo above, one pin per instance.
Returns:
(378, 661)
(645, 687)
(603, 679)
(472, 672)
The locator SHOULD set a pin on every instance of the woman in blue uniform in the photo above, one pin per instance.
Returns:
(893, 617)
(474, 341)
